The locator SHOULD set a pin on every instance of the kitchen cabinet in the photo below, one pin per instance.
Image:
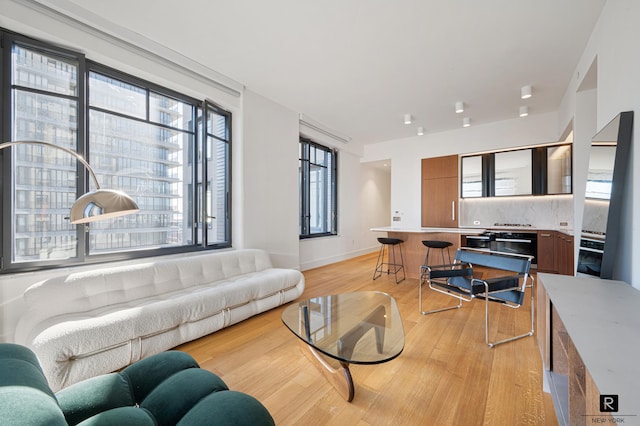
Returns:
(555, 252)
(440, 192)
(564, 248)
(547, 257)
(541, 170)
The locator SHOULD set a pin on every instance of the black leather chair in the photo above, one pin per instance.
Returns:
(458, 280)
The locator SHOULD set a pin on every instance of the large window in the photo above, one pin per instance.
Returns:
(318, 194)
(170, 152)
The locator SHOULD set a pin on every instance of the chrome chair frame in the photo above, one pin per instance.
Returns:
(456, 280)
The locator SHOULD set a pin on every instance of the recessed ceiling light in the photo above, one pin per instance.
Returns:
(525, 92)
(466, 122)
(407, 119)
(459, 107)
(420, 131)
(524, 111)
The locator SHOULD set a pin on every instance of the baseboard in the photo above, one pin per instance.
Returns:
(316, 263)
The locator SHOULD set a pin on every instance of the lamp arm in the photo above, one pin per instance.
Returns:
(52, 145)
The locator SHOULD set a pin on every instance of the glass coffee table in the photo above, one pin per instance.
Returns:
(350, 328)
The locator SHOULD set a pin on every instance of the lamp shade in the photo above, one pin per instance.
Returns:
(101, 204)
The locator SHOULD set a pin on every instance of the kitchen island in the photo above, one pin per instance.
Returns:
(588, 332)
(413, 249)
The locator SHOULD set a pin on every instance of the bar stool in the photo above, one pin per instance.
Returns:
(391, 258)
(439, 245)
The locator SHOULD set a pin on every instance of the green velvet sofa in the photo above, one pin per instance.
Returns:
(165, 389)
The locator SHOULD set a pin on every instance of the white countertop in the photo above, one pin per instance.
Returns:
(463, 230)
(602, 317)
(429, 230)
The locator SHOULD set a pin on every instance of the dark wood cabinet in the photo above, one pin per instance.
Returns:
(440, 192)
(565, 249)
(547, 257)
(555, 252)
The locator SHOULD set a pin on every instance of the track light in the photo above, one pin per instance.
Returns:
(407, 119)
(459, 107)
(466, 122)
(525, 92)
(524, 111)
(420, 131)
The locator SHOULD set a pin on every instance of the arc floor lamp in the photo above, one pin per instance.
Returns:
(94, 205)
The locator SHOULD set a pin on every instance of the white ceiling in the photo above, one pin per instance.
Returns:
(357, 66)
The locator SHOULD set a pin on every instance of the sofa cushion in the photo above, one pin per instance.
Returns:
(228, 408)
(24, 395)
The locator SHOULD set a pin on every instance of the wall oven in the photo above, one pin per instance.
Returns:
(590, 256)
(481, 242)
(507, 242)
(517, 243)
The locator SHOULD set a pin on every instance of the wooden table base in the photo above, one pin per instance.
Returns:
(339, 377)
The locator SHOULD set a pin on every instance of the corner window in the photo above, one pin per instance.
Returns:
(318, 193)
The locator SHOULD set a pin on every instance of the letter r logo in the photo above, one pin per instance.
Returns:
(608, 403)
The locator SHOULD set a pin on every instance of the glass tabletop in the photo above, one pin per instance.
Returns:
(358, 328)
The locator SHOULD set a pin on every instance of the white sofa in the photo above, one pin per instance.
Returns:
(83, 324)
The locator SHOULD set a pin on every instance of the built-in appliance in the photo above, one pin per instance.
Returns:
(590, 256)
(507, 242)
(482, 241)
(517, 242)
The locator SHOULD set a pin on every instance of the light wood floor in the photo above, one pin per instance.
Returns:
(446, 374)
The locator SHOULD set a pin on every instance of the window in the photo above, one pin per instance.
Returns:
(318, 194)
(159, 146)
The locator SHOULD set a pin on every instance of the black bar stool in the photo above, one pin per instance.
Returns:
(393, 267)
(439, 245)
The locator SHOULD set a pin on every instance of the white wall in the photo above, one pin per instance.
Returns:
(265, 191)
(406, 155)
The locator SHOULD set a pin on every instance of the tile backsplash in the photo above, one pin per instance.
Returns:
(543, 212)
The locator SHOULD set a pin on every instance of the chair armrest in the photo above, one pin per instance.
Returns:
(496, 284)
(462, 269)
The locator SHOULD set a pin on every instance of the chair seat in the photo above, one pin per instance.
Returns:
(393, 265)
(437, 244)
(389, 241)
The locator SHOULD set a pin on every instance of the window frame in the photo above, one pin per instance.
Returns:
(331, 204)
(85, 67)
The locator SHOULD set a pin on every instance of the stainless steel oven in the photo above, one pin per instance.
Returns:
(516, 242)
(590, 256)
(481, 241)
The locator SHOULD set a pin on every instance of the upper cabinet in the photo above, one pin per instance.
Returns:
(543, 170)
(559, 170)
(513, 172)
(440, 192)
